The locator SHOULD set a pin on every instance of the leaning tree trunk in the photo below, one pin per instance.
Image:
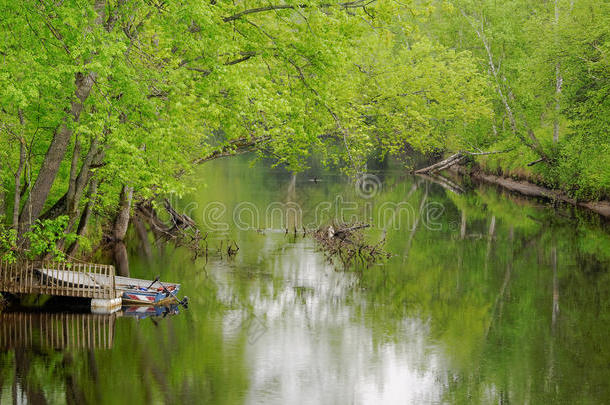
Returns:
(17, 198)
(443, 164)
(61, 138)
(68, 203)
(120, 230)
(54, 156)
(74, 167)
(84, 218)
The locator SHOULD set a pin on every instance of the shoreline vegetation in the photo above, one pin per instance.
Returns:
(109, 106)
(522, 183)
(531, 189)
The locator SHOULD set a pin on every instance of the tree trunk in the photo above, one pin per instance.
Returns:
(535, 144)
(120, 230)
(17, 198)
(558, 81)
(68, 203)
(157, 226)
(54, 156)
(122, 219)
(74, 168)
(3, 201)
(84, 219)
(94, 156)
(558, 85)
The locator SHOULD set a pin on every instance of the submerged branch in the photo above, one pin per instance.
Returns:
(346, 243)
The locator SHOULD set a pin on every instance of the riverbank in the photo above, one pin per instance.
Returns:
(531, 189)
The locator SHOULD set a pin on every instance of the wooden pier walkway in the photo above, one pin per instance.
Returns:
(87, 280)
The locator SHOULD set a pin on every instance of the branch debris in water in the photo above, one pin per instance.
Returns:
(347, 244)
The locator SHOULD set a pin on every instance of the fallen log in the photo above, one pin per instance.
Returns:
(181, 221)
(453, 159)
(443, 164)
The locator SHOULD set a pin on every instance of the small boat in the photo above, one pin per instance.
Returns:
(147, 292)
(152, 296)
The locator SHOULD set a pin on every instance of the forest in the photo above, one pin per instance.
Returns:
(108, 106)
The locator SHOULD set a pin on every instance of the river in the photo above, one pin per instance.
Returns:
(486, 298)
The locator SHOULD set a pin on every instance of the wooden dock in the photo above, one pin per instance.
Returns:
(97, 282)
(66, 279)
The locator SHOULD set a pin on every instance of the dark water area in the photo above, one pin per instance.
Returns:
(487, 298)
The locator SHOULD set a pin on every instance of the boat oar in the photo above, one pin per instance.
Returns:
(183, 302)
(154, 281)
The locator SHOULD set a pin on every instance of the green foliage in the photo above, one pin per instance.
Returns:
(174, 82)
(403, 106)
(44, 236)
(41, 240)
(532, 45)
(8, 242)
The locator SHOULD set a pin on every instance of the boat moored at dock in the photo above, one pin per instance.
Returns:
(94, 281)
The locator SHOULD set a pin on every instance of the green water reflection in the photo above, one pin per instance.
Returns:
(487, 299)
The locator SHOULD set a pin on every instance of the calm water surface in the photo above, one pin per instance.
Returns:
(487, 299)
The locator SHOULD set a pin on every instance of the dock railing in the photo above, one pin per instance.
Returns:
(68, 279)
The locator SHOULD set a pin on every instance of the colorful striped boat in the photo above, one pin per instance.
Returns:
(147, 292)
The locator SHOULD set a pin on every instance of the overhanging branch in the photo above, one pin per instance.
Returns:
(349, 4)
(234, 147)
